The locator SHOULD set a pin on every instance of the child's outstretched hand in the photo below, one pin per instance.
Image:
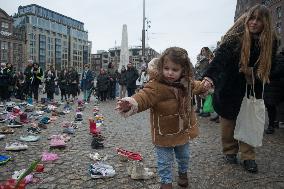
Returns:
(123, 105)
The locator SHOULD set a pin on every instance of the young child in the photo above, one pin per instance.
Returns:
(168, 94)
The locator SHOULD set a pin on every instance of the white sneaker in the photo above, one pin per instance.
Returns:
(18, 174)
(2, 136)
(138, 172)
(16, 146)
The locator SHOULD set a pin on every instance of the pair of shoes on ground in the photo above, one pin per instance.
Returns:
(64, 137)
(137, 171)
(100, 170)
(13, 123)
(6, 130)
(99, 137)
(16, 146)
(34, 130)
(30, 138)
(249, 165)
(46, 156)
(57, 142)
(96, 144)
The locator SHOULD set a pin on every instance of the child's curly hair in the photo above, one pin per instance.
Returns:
(179, 56)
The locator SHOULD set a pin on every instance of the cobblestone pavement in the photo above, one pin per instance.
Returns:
(207, 169)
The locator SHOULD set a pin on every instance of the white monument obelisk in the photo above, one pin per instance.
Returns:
(124, 52)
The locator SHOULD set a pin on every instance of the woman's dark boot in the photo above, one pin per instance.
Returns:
(166, 186)
(276, 124)
(182, 179)
(270, 129)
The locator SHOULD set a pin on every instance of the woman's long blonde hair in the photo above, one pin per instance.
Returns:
(240, 28)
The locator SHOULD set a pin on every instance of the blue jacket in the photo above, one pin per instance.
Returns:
(87, 80)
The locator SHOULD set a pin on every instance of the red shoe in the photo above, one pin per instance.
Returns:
(129, 154)
(93, 127)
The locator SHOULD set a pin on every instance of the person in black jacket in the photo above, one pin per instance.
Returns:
(248, 48)
(4, 84)
(36, 79)
(131, 77)
(274, 92)
(12, 80)
(28, 79)
(73, 82)
(63, 84)
(102, 84)
(49, 77)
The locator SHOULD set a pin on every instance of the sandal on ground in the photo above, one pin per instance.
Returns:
(6, 130)
(129, 154)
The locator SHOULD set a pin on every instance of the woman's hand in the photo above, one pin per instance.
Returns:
(207, 84)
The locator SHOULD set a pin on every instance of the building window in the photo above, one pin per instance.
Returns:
(4, 52)
(278, 27)
(278, 12)
(4, 26)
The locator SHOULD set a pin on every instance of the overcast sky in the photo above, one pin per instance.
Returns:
(190, 24)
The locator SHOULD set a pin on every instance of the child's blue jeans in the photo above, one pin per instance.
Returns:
(165, 160)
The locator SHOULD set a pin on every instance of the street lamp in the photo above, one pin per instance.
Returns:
(143, 33)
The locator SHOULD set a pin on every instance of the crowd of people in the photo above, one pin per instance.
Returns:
(24, 85)
(109, 83)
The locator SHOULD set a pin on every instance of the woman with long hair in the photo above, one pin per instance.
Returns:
(203, 60)
(247, 51)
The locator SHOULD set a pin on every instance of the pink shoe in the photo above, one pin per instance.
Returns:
(57, 142)
(49, 156)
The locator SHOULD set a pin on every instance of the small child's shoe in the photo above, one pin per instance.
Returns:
(182, 179)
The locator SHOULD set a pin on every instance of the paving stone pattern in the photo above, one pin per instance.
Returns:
(207, 168)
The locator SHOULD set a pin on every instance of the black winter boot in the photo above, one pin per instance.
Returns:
(231, 158)
(250, 166)
(182, 179)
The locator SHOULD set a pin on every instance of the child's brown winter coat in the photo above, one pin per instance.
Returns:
(169, 127)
